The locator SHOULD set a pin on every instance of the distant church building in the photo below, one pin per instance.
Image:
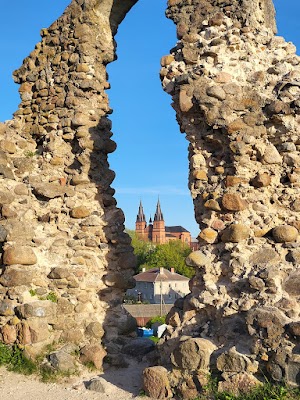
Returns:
(156, 231)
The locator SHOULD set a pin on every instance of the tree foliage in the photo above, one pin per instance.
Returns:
(171, 254)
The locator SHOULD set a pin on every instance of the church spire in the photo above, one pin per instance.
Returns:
(141, 216)
(158, 214)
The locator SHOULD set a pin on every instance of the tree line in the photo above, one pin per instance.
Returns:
(171, 254)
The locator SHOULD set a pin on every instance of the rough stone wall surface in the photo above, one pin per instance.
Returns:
(66, 261)
(235, 88)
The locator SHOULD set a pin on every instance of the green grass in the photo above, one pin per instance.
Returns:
(267, 391)
(154, 339)
(14, 359)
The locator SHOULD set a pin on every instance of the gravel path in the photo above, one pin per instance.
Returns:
(118, 384)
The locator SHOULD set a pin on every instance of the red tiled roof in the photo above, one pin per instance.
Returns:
(153, 275)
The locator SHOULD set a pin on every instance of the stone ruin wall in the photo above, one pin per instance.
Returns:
(66, 261)
(235, 88)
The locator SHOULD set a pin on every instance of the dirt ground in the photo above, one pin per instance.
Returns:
(118, 384)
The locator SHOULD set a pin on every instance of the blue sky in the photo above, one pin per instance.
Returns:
(151, 158)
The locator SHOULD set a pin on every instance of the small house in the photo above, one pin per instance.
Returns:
(159, 285)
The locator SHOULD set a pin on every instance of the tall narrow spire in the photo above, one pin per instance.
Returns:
(141, 216)
(158, 214)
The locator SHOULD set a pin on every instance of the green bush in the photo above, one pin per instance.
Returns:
(158, 318)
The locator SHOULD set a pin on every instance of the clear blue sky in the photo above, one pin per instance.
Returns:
(151, 158)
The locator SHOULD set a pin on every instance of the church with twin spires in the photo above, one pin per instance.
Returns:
(156, 231)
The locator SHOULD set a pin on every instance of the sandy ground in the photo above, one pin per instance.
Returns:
(119, 384)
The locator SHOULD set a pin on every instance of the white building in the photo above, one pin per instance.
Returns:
(158, 285)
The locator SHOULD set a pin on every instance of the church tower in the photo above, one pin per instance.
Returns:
(158, 231)
(141, 224)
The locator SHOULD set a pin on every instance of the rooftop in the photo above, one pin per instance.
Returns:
(159, 274)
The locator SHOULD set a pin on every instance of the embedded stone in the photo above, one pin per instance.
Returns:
(9, 334)
(285, 233)
(23, 255)
(119, 280)
(212, 205)
(156, 383)
(80, 212)
(236, 233)
(233, 202)
(264, 256)
(233, 361)
(64, 306)
(8, 146)
(185, 101)
(166, 60)
(38, 309)
(218, 224)
(7, 308)
(93, 353)
(201, 175)
(95, 329)
(50, 190)
(292, 284)
(62, 361)
(3, 234)
(223, 77)
(216, 92)
(39, 330)
(197, 259)
(261, 180)
(59, 273)
(193, 354)
(239, 383)
(233, 181)
(236, 125)
(294, 328)
(6, 197)
(17, 276)
(208, 235)
(271, 155)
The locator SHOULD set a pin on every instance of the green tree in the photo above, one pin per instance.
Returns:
(171, 254)
(142, 249)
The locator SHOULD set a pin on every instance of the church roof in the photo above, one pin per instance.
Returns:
(141, 216)
(177, 228)
(158, 214)
(159, 274)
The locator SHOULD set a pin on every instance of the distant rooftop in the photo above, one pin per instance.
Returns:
(177, 228)
(159, 274)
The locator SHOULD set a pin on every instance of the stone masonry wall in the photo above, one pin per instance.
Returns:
(235, 88)
(66, 261)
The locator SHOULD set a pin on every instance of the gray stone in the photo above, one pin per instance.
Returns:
(62, 361)
(3, 233)
(96, 385)
(138, 347)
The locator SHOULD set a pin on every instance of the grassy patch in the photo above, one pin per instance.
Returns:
(267, 391)
(14, 359)
(154, 339)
